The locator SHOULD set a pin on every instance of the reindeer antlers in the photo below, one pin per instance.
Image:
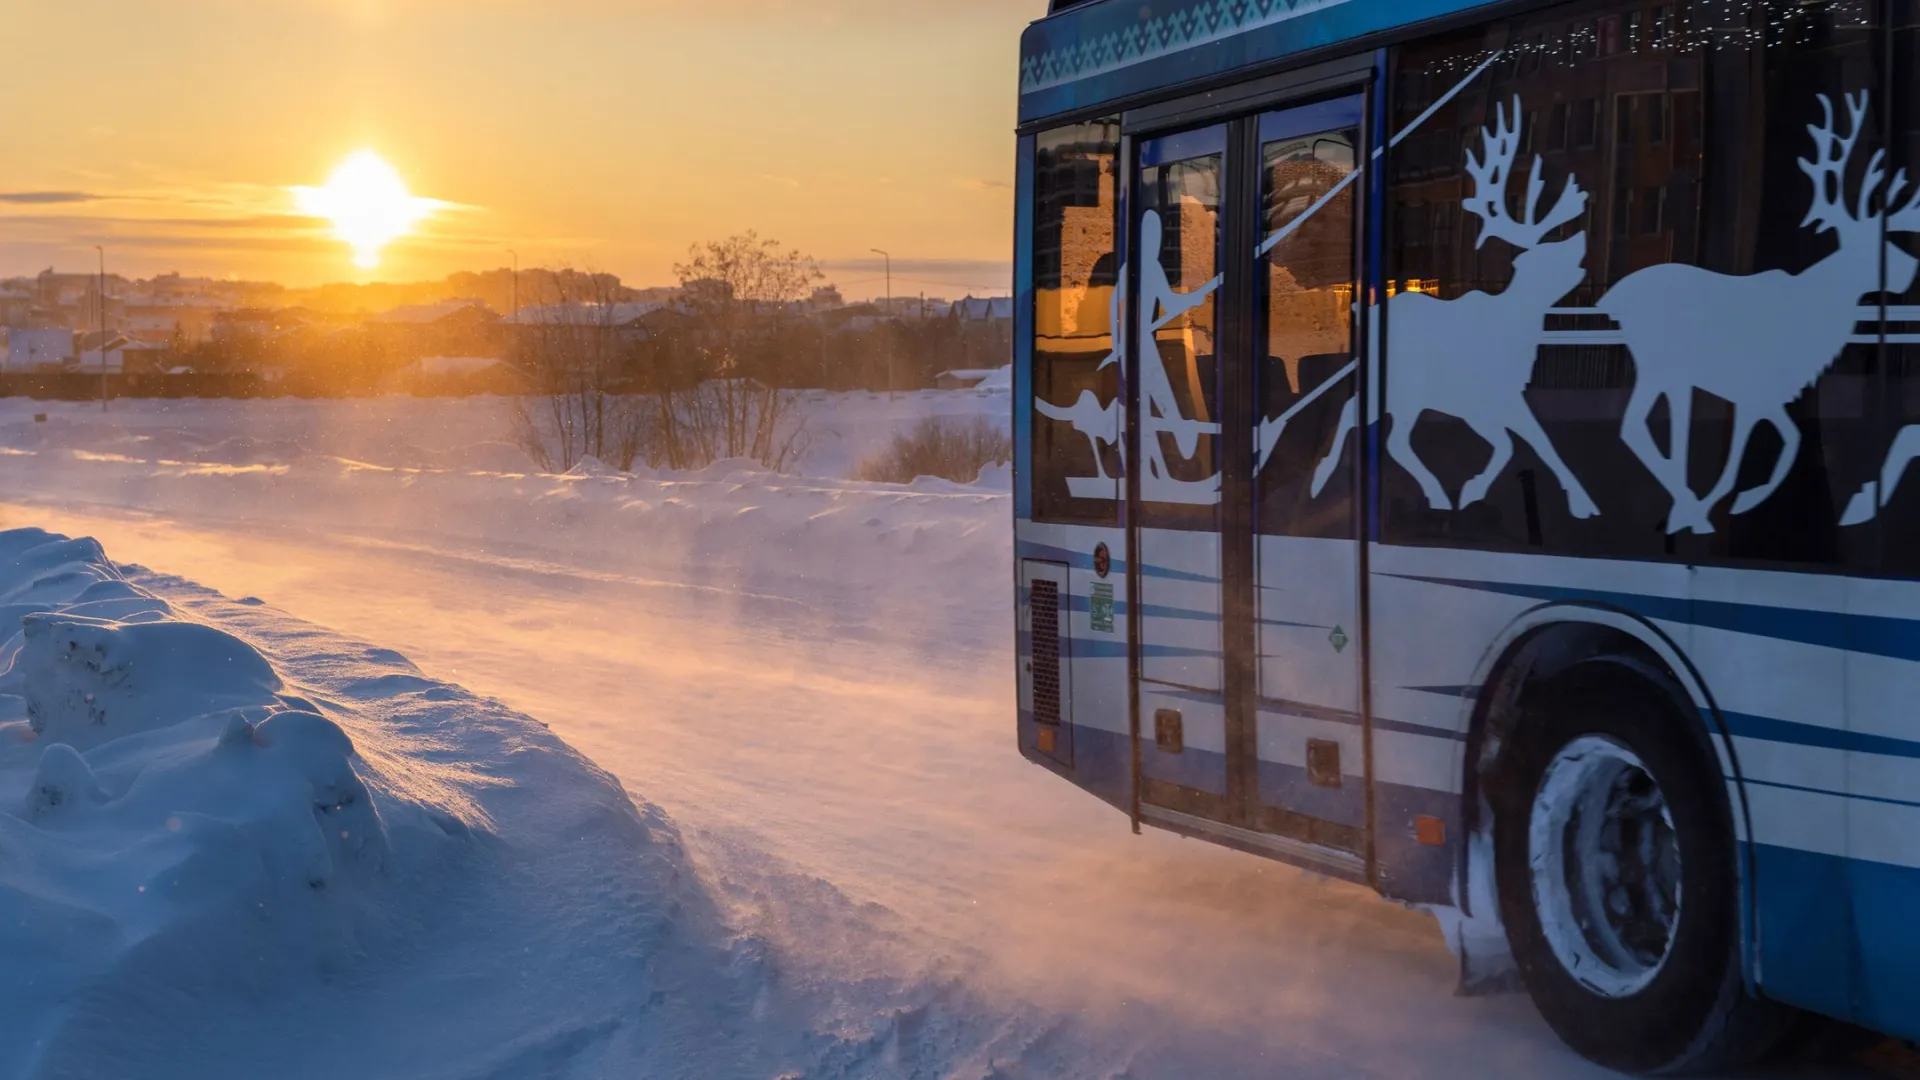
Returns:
(1488, 200)
(1828, 170)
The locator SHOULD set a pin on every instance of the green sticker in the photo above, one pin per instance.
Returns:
(1100, 607)
(1339, 639)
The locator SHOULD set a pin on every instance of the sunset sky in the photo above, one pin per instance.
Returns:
(603, 133)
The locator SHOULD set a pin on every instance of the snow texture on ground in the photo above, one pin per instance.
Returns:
(840, 867)
(234, 844)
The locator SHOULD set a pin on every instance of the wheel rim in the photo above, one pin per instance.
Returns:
(1606, 866)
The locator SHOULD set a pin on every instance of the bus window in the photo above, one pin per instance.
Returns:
(1076, 376)
(1890, 494)
(1306, 376)
(1180, 244)
(1611, 351)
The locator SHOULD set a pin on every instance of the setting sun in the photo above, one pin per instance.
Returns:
(368, 204)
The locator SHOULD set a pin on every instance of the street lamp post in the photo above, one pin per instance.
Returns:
(102, 300)
(516, 285)
(889, 310)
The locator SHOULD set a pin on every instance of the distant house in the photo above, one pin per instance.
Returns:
(254, 324)
(447, 327)
(984, 309)
(963, 378)
(98, 353)
(459, 375)
(618, 325)
(439, 313)
(38, 350)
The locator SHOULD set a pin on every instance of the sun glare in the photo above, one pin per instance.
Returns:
(368, 204)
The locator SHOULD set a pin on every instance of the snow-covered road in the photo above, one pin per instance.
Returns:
(872, 819)
(841, 764)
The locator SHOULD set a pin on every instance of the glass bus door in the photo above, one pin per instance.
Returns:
(1243, 273)
(1311, 759)
(1176, 277)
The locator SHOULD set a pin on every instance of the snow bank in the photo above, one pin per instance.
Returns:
(225, 835)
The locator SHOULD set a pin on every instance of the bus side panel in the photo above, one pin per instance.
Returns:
(1094, 669)
(1812, 677)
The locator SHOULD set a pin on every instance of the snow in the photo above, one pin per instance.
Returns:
(834, 863)
(227, 833)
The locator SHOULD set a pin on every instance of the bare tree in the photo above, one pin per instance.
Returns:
(578, 362)
(743, 288)
(741, 293)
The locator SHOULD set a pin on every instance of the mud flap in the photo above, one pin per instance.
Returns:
(1473, 930)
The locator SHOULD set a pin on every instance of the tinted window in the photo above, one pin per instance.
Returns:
(1632, 346)
(1893, 497)
(1076, 421)
(1306, 375)
(1180, 200)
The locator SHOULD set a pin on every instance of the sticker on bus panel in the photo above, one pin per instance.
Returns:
(1100, 608)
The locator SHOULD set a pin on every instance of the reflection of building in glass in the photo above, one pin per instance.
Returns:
(1310, 273)
(1075, 268)
(1076, 423)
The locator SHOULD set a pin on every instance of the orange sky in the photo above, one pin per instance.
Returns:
(603, 133)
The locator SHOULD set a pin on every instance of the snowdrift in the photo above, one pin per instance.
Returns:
(233, 844)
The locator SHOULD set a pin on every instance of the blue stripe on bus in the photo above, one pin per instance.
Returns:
(1447, 691)
(1824, 791)
(1081, 602)
(1877, 635)
(1830, 738)
(1083, 560)
(1102, 649)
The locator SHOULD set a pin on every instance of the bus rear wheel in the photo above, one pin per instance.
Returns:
(1614, 852)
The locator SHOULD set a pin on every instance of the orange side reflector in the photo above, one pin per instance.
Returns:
(1044, 741)
(1429, 830)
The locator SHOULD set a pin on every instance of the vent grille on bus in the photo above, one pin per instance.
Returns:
(1044, 600)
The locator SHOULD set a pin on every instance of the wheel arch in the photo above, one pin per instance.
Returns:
(1542, 642)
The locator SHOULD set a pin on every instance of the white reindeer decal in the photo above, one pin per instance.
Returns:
(1757, 341)
(1473, 356)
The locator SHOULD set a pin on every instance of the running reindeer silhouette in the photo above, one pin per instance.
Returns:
(1758, 341)
(1473, 356)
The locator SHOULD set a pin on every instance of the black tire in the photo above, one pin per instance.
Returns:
(1688, 1010)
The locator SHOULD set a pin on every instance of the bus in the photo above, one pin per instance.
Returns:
(1462, 448)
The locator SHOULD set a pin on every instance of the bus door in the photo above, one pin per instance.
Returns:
(1242, 274)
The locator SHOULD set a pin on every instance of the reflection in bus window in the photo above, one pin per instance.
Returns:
(1652, 424)
(1181, 199)
(1306, 377)
(1076, 383)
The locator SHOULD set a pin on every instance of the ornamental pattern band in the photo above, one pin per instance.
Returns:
(1156, 34)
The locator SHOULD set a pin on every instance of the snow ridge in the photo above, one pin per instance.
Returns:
(207, 860)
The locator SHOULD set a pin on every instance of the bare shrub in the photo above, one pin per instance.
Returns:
(730, 418)
(576, 362)
(947, 447)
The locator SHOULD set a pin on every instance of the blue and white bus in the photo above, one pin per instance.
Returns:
(1461, 448)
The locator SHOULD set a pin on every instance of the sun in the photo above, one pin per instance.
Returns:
(368, 204)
